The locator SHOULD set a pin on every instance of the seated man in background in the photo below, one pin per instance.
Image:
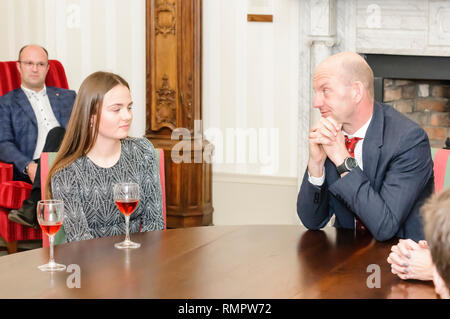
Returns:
(369, 165)
(411, 260)
(32, 120)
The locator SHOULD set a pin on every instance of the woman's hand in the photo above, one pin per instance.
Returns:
(411, 260)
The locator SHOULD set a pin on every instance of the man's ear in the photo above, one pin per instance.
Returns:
(357, 91)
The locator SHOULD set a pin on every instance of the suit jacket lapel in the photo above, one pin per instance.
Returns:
(24, 104)
(373, 141)
(53, 97)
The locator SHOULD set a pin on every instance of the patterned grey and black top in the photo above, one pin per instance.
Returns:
(87, 192)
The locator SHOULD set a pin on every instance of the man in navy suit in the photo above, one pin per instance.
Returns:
(369, 165)
(32, 120)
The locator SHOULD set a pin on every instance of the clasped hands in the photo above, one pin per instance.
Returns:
(411, 260)
(326, 140)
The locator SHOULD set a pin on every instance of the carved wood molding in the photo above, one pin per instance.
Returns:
(165, 18)
(187, 100)
(166, 109)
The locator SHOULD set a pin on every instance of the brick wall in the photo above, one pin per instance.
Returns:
(425, 102)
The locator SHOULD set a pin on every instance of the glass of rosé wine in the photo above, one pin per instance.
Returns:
(50, 215)
(126, 197)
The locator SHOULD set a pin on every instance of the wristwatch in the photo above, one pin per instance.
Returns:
(347, 166)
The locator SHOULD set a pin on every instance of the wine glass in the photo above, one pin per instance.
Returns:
(126, 196)
(50, 215)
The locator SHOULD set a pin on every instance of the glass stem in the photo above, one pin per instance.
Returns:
(51, 240)
(127, 228)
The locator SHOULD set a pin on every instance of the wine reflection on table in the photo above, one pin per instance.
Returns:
(413, 289)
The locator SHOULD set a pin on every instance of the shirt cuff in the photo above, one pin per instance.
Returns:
(317, 181)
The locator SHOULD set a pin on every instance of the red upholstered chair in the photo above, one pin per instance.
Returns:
(13, 193)
(10, 77)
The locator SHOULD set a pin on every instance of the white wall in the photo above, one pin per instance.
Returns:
(250, 82)
(86, 36)
(250, 87)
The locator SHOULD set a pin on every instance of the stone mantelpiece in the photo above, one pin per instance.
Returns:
(405, 27)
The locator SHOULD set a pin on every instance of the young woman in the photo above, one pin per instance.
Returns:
(97, 153)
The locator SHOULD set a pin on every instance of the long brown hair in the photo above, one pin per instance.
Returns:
(82, 132)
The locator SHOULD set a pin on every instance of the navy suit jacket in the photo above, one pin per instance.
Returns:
(388, 194)
(18, 126)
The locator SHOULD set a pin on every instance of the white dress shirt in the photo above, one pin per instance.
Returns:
(45, 118)
(361, 133)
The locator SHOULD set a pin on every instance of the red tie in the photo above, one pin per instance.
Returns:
(350, 144)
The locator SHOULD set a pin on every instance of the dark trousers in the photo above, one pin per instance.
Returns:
(52, 144)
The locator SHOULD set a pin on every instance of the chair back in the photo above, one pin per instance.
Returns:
(160, 161)
(47, 159)
(441, 168)
(10, 76)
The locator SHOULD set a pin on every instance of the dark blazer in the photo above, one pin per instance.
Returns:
(18, 126)
(387, 195)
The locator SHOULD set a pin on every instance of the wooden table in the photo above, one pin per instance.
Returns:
(215, 262)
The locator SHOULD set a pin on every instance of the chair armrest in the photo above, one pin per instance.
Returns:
(6, 172)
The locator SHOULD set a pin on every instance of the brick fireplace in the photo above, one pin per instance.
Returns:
(417, 86)
(425, 102)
